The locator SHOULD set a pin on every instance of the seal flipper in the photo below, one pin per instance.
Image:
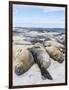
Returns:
(45, 73)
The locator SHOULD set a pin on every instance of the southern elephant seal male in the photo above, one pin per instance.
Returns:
(56, 44)
(61, 39)
(42, 58)
(55, 54)
(23, 60)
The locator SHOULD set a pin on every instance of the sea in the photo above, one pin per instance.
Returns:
(22, 29)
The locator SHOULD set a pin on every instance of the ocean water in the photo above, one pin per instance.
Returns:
(24, 29)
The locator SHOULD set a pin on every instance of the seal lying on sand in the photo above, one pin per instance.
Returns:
(61, 39)
(55, 54)
(56, 44)
(23, 60)
(42, 58)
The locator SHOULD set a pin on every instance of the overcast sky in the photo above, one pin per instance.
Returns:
(38, 16)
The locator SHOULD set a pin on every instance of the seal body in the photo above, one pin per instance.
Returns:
(55, 54)
(55, 44)
(23, 60)
(61, 39)
(42, 58)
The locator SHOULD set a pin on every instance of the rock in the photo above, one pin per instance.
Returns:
(23, 60)
(55, 54)
(41, 57)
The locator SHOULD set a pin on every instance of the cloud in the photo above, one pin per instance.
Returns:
(44, 8)
(53, 9)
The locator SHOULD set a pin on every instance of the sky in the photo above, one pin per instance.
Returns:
(38, 16)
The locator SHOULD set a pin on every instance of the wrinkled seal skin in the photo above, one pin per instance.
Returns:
(55, 54)
(54, 43)
(58, 45)
(42, 58)
(23, 61)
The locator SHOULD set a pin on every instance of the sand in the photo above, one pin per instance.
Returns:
(33, 75)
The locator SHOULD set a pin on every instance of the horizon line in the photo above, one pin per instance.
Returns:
(37, 27)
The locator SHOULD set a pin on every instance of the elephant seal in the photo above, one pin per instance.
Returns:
(56, 44)
(42, 58)
(55, 54)
(61, 39)
(23, 60)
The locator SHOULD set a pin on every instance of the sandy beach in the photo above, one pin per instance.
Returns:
(33, 76)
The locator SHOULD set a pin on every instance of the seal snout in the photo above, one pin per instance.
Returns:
(19, 70)
(61, 59)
